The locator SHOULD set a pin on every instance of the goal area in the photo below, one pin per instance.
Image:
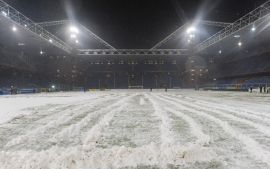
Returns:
(135, 87)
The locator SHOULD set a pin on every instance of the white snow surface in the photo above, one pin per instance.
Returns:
(128, 129)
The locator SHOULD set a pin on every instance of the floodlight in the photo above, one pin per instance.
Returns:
(53, 86)
(41, 52)
(192, 36)
(220, 51)
(191, 29)
(51, 41)
(74, 29)
(253, 29)
(73, 36)
(4, 13)
(77, 41)
(240, 44)
(14, 29)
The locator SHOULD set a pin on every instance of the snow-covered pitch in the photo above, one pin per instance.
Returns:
(135, 129)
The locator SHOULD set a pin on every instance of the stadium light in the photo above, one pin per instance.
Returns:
(53, 86)
(41, 52)
(191, 30)
(77, 41)
(73, 36)
(14, 29)
(74, 29)
(220, 51)
(240, 44)
(4, 13)
(192, 36)
(50, 40)
(253, 29)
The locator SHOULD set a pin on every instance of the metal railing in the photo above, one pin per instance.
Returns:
(19, 19)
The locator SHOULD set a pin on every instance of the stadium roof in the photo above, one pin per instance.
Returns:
(33, 37)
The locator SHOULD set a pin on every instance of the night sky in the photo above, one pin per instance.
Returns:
(134, 23)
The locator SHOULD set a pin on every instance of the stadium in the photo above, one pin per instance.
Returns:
(168, 92)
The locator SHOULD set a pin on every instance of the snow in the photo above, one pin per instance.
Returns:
(135, 129)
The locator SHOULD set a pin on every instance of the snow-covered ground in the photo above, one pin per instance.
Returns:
(135, 129)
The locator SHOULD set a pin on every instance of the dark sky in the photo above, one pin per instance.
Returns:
(134, 23)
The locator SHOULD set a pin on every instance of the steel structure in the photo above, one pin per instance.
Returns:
(19, 19)
(53, 23)
(38, 29)
(249, 19)
(215, 23)
(165, 40)
(183, 27)
(133, 52)
(64, 22)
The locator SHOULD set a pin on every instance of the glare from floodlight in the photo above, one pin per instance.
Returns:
(192, 36)
(53, 86)
(77, 41)
(41, 52)
(253, 29)
(74, 29)
(73, 36)
(236, 36)
(51, 41)
(240, 44)
(4, 13)
(25, 25)
(14, 29)
(220, 51)
(191, 29)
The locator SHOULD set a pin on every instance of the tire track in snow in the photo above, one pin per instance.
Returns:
(257, 131)
(79, 129)
(252, 116)
(165, 127)
(251, 146)
(40, 134)
(224, 106)
(20, 125)
(128, 127)
(167, 144)
(202, 139)
(263, 129)
(173, 152)
(91, 137)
